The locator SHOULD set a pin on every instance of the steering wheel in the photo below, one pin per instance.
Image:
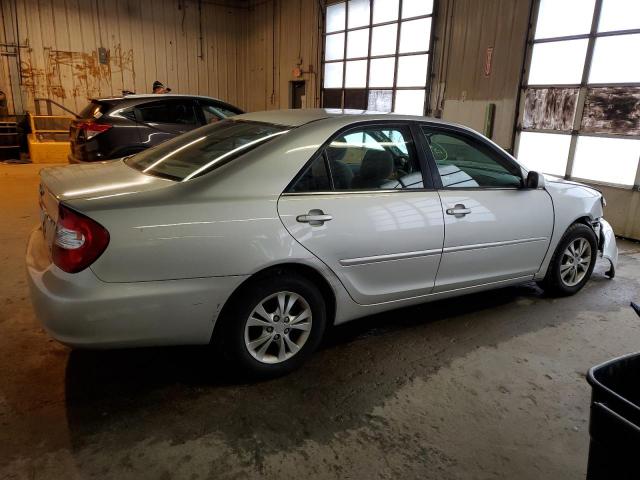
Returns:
(401, 163)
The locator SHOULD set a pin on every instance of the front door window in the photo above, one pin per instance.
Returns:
(463, 162)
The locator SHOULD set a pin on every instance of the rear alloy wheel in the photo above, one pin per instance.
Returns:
(278, 327)
(572, 262)
(273, 325)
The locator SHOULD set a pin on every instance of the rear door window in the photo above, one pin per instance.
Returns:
(366, 158)
(374, 158)
(180, 112)
(314, 179)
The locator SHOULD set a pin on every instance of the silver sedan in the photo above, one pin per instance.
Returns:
(259, 232)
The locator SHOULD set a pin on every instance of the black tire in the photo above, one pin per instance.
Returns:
(232, 334)
(553, 283)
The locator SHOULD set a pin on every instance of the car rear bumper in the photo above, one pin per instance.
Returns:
(82, 311)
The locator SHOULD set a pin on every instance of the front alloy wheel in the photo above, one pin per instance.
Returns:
(575, 263)
(278, 327)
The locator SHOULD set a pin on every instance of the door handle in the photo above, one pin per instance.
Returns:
(459, 210)
(314, 218)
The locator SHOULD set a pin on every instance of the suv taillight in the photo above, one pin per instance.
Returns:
(79, 241)
(91, 129)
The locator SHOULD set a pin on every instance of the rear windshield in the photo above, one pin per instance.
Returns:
(201, 150)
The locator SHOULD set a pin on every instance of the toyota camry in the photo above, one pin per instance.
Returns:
(259, 232)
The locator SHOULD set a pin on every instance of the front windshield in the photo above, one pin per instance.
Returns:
(201, 150)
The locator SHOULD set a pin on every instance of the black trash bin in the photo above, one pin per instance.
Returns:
(614, 426)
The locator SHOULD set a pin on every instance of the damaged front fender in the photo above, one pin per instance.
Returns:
(608, 247)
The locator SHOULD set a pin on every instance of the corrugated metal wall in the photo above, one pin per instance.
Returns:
(462, 89)
(282, 35)
(246, 56)
(145, 39)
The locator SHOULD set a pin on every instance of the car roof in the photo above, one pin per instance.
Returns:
(155, 95)
(334, 119)
(299, 117)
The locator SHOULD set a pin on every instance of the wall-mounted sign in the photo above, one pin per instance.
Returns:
(488, 60)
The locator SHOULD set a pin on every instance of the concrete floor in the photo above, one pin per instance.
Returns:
(491, 386)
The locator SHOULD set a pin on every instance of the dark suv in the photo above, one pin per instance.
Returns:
(116, 127)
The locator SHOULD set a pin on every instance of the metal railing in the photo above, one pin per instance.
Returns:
(49, 103)
(50, 128)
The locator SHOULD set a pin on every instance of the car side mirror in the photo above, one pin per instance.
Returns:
(535, 180)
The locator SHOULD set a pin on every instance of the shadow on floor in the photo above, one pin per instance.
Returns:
(182, 393)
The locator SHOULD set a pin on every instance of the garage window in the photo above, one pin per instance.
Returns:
(377, 55)
(580, 102)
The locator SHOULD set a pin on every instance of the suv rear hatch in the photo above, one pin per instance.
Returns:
(86, 127)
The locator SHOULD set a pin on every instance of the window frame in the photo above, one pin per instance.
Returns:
(396, 55)
(502, 157)
(584, 87)
(411, 126)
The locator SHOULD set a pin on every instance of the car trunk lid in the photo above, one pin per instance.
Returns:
(88, 181)
(97, 180)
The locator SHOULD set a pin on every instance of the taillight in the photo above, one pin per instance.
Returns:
(79, 241)
(92, 129)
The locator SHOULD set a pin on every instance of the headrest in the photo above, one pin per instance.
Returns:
(376, 164)
(335, 153)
